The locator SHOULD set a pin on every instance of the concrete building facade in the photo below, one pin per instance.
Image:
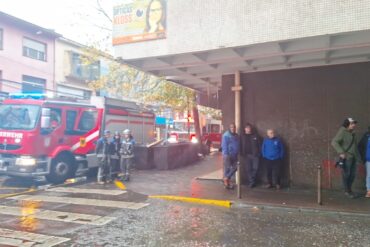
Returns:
(303, 69)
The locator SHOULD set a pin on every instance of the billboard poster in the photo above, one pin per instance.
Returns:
(138, 20)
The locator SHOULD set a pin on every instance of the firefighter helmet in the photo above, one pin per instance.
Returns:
(127, 132)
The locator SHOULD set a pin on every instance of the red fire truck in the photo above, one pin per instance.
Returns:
(56, 138)
(185, 130)
(211, 132)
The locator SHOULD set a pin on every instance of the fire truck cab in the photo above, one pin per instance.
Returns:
(211, 132)
(56, 138)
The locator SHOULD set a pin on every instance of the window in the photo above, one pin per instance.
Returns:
(18, 117)
(215, 128)
(55, 117)
(71, 120)
(34, 49)
(33, 84)
(87, 121)
(84, 70)
(1, 38)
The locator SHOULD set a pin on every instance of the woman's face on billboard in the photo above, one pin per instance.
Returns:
(155, 12)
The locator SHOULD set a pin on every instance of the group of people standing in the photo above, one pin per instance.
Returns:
(351, 153)
(115, 156)
(249, 146)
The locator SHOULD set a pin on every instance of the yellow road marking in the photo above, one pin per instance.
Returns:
(220, 203)
(16, 194)
(12, 188)
(119, 184)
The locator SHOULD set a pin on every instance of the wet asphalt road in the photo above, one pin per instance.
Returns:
(169, 223)
(179, 224)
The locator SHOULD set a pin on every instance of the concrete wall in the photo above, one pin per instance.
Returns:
(200, 25)
(306, 107)
(13, 64)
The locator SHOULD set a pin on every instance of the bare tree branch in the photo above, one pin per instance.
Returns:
(102, 11)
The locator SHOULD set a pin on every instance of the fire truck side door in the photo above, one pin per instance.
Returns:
(54, 136)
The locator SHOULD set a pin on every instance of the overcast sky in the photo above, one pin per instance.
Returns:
(75, 19)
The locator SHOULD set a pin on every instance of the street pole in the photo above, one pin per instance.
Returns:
(237, 89)
(319, 196)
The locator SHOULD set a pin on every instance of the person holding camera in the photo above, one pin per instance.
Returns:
(364, 148)
(346, 145)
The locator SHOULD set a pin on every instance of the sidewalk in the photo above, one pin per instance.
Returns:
(184, 182)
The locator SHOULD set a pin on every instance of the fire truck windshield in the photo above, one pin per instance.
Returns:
(183, 126)
(20, 117)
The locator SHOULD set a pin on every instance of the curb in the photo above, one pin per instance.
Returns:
(239, 205)
(219, 203)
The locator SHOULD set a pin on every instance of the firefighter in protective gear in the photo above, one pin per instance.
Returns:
(127, 153)
(103, 152)
(116, 155)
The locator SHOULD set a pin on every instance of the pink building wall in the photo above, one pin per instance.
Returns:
(13, 65)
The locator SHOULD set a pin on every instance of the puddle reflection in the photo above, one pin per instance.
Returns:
(27, 221)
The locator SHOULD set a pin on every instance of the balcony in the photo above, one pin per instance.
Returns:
(81, 70)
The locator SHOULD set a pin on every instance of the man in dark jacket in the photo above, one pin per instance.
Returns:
(250, 150)
(116, 155)
(364, 148)
(346, 145)
(273, 153)
(230, 151)
(104, 151)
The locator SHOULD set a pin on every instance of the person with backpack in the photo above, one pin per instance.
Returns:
(346, 145)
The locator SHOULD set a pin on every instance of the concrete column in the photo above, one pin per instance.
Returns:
(237, 88)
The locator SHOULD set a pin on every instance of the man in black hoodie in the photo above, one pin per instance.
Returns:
(251, 152)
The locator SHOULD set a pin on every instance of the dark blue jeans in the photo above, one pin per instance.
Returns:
(273, 171)
(349, 173)
(252, 164)
(230, 166)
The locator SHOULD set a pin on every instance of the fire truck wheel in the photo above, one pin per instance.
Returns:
(61, 169)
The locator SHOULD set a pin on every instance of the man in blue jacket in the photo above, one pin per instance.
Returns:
(230, 151)
(273, 153)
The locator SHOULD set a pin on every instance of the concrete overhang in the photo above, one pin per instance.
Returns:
(203, 70)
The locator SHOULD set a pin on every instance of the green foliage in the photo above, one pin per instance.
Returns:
(169, 94)
(207, 111)
(122, 81)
